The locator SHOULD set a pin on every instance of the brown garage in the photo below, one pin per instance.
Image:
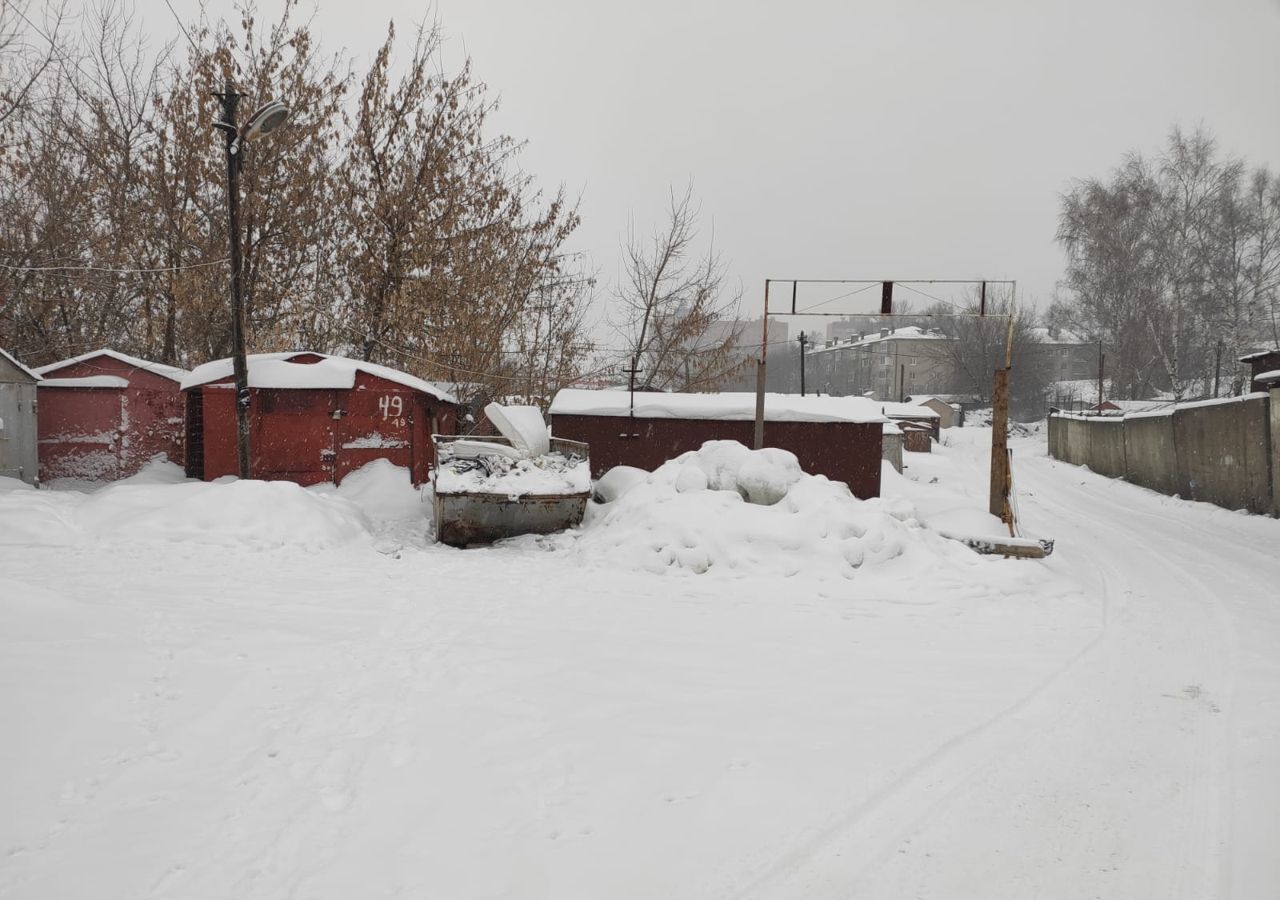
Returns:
(313, 418)
(839, 437)
(103, 415)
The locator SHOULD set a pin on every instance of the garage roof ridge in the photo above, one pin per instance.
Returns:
(164, 370)
(277, 370)
(21, 368)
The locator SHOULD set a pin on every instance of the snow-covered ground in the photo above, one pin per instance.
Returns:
(255, 690)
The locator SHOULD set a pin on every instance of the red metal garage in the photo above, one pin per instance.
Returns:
(313, 418)
(103, 415)
(839, 437)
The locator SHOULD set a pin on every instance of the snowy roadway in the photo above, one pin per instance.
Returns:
(319, 713)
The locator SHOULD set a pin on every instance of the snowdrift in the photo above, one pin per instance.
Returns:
(159, 505)
(724, 508)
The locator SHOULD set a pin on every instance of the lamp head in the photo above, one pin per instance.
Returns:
(265, 120)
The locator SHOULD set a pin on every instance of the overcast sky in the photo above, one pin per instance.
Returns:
(894, 139)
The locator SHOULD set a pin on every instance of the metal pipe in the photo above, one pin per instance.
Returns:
(761, 370)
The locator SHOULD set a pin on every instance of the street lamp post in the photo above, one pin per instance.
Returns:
(265, 120)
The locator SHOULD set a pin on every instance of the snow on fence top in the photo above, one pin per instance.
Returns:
(1162, 411)
(732, 406)
(173, 373)
(88, 381)
(276, 370)
(19, 366)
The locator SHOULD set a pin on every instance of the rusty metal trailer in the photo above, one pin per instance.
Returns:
(463, 518)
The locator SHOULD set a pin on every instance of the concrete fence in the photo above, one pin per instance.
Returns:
(1220, 451)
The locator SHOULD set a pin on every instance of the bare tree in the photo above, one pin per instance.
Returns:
(977, 345)
(677, 319)
(1175, 264)
(26, 52)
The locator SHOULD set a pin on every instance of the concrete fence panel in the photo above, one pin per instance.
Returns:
(1275, 451)
(1069, 443)
(1106, 447)
(1057, 428)
(1223, 453)
(1078, 442)
(1151, 457)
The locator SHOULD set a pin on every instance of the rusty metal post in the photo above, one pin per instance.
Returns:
(1000, 472)
(1000, 445)
(761, 368)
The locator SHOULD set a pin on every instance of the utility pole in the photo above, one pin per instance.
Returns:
(1102, 358)
(230, 102)
(1000, 470)
(631, 388)
(1217, 367)
(761, 365)
(803, 341)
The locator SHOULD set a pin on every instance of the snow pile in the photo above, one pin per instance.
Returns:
(380, 489)
(393, 508)
(254, 514)
(550, 473)
(760, 476)
(726, 508)
(157, 470)
(617, 481)
(9, 483)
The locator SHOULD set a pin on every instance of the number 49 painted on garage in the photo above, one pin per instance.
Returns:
(392, 407)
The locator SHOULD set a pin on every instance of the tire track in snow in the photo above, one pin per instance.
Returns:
(1110, 508)
(1222, 558)
(857, 839)
(951, 778)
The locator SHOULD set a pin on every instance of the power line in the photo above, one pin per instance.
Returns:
(834, 299)
(108, 269)
(908, 286)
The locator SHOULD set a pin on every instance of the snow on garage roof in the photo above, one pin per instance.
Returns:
(20, 367)
(733, 406)
(907, 410)
(89, 381)
(275, 370)
(1249, 357)
(173, 373)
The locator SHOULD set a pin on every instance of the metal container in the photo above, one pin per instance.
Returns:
(463, 518)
